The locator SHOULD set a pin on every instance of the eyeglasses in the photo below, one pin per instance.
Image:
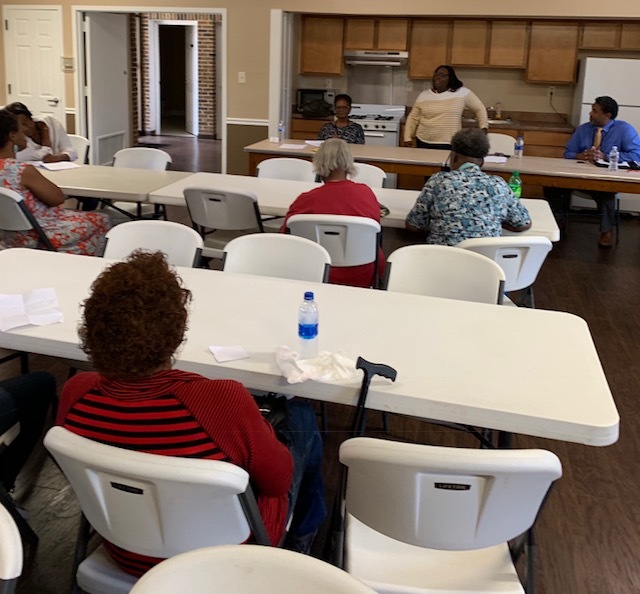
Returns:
(343, 106)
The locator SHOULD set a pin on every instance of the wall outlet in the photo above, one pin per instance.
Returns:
(242, 77)
(551, 91)
(328, 83)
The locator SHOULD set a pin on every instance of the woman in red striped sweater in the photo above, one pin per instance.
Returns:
(137, 401)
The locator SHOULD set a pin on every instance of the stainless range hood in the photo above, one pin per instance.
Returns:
(375, 58)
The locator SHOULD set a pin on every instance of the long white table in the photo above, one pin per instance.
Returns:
(524, 371)
(121, 184)
(275, 196)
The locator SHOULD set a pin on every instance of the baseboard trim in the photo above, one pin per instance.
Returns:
(246, 122)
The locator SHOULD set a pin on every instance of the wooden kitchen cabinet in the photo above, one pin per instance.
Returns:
(508, 45)
(321, 45)
(469, 42)
(539, 143)
(306, 128)
(376, 34)
(630, 36)
(603, 35)
(553, 51)
(428, 47)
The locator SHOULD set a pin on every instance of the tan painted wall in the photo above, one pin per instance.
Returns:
(248, 30)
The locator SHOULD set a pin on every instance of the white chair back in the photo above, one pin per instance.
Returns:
(150, 504)
(520, 258)
(81, 145)
(501, 143)
(181, 244)
(371, 175)
(15, 216)
(10, 552)
(444, 271)
(142, 158)
(287, 168)
(351, 241)
(277, 255)
(247, 568)
(232, 210)
(446, 498)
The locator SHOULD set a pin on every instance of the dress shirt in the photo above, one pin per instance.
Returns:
(615, 133)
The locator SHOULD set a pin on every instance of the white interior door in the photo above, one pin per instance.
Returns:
(191, 82)
(33, 52)
(107, 84)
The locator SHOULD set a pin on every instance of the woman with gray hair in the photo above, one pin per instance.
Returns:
(340, 196)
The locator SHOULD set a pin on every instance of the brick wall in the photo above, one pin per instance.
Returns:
(206, 70)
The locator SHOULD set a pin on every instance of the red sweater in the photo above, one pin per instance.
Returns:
(342, 198)
(174, 413)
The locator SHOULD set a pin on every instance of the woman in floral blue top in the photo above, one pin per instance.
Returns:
(342, 127)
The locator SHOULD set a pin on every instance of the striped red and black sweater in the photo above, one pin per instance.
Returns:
(174, 413)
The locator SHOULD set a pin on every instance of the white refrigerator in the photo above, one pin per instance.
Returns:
(616, 77)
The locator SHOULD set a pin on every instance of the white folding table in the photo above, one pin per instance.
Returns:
(525, 371)
(276, 195)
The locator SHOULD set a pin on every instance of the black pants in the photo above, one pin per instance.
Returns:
(442, 146)
(25, 399)
(560, 199)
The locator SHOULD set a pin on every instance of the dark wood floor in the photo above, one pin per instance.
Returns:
(590, 527)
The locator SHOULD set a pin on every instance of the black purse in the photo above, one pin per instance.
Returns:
(273, 407)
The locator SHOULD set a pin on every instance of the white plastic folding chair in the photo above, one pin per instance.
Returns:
(152, 505)
(10, 553)
(426, 519)
(501, 143)
(218, 215)
(444, 271)
(286, 168)
(350, 241)
(141, 158)
(371, 175)
(521, 259)
(81, 144)
(277, 255)
(15, 216)
(247, 568)
(181, 244)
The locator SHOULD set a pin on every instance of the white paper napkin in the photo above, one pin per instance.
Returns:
(228, 353)
(325, 367)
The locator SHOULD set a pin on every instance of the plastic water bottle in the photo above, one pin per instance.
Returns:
(281, 131)
(518, 148)
(515, 183)
(614, 158)
(308, 327)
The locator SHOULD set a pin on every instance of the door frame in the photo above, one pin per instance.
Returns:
(154, 67)
(79, 48)
(58, 9)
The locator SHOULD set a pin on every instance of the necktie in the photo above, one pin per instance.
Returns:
(597, 139)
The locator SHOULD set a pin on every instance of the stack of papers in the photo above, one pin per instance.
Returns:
(60, 165)
(495, 159)
(38, 307)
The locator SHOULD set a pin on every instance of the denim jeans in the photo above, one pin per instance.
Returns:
(25, 398)
(306, 495)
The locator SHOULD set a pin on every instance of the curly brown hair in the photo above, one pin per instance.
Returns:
(135, 318)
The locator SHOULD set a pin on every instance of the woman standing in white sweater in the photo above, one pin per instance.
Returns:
(437, 113)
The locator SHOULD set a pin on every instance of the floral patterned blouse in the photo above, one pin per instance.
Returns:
(69, 231)
(351, 133)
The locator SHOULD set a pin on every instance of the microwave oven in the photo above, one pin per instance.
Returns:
(308, 95)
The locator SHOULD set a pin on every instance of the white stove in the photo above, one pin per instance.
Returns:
(381, 123)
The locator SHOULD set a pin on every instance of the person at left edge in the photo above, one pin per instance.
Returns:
(47, 140)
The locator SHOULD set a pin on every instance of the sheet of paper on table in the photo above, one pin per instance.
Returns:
(292, 147)
(60, 165)
(495, 159)
(228, 353)
(38, 308)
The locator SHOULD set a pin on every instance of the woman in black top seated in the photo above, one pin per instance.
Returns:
(342, 127)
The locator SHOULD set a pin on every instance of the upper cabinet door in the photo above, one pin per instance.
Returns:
(630, 36)
(428, 47)
(553, 51)
(508, 45)
(469, 43)
(600, 35)
(392, 34)
(321, 45)
(360, 34)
